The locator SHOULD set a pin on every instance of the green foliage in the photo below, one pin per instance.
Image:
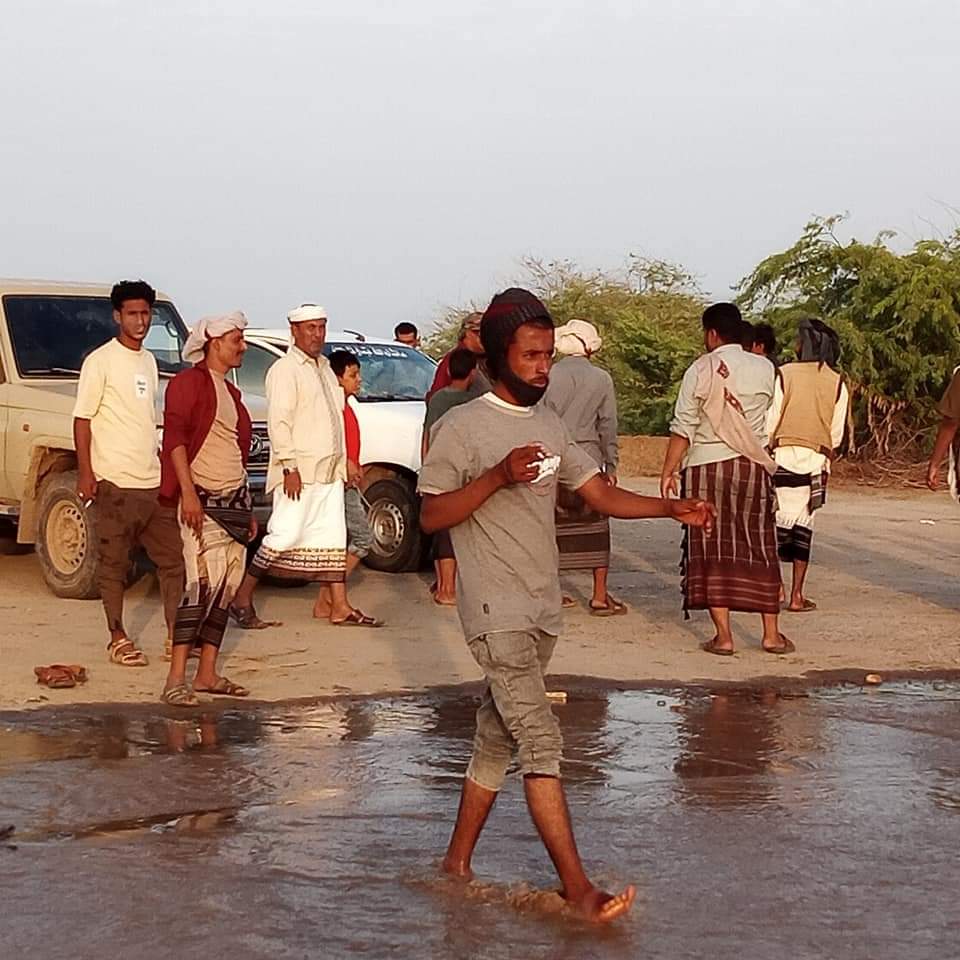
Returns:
(648, 315)
(898, 317)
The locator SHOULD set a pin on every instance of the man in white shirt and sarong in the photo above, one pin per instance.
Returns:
(307, 535)
(805, 425)
(717, 435)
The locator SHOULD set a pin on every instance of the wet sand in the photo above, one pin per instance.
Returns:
(885, 580)
(755, 825)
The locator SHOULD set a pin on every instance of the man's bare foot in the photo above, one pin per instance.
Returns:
(321, 610)
(458, 871)
(598, 906)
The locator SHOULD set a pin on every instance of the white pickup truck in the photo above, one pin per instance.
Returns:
(390, 410)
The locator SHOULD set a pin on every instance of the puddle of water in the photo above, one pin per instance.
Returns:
(754, 824)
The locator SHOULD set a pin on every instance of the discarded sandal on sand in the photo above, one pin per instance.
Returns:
(61, 676)
(224, 688)
(710, 646)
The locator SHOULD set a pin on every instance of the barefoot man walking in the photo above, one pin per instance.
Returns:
(491, 477)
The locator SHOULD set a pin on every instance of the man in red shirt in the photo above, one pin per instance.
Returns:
(469, 340)
(206, 444)
(346, 366)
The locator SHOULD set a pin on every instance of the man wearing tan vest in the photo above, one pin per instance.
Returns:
(805, 426)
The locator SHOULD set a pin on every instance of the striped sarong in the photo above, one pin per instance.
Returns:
(799, 495)
(306, 538)
(214, 565)
(583, 536)
(737, 567)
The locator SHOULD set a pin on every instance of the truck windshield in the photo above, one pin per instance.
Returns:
(389, 371)
(51, 335)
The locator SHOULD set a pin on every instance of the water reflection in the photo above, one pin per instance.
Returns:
(727, 743)
(283, 825)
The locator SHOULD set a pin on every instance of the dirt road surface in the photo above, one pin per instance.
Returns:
(885, 576)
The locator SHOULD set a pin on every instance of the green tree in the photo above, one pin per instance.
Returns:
(897, 314)
(648, 315)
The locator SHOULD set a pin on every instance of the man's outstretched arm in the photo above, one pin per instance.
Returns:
(620, 503)
(441, 511)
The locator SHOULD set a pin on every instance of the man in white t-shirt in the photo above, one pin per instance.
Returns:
(115, 432)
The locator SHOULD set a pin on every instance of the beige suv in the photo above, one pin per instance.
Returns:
(46, 330)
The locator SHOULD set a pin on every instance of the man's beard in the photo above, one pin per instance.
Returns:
(526, 394)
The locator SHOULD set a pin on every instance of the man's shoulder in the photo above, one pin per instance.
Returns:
(464, 413)
(100, 355)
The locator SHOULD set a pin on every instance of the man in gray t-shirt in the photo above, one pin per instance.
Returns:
(491, 477)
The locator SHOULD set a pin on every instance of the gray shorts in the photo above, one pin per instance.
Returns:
(359, 534)
(515, 712)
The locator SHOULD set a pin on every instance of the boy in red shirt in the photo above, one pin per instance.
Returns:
(346, 366)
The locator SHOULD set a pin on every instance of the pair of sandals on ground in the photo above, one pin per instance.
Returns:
(784, 647)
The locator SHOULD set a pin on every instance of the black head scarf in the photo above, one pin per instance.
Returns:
(508, 311)
(819, 343)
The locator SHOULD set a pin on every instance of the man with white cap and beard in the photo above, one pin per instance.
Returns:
(206, 444)
(307, 535)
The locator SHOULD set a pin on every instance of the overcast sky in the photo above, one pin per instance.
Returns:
(386, 159)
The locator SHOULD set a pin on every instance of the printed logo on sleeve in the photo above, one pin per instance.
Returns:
(140, 386)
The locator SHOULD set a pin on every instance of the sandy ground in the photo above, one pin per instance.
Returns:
(884, 575)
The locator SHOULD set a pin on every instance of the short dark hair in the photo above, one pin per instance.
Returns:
(746, 338)
(462, 363)
(132, 290)
(764, 335)
(406, 328)
(341, 359)
(725, 320)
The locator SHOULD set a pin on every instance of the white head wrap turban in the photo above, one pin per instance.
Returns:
(578, 339)
(209, 328)
(305, 312)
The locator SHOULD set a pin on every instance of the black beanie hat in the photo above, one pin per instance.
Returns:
(508, 311)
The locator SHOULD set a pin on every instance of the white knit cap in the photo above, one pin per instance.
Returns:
(305, 312)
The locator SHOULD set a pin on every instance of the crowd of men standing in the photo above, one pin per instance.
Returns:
(518, 482)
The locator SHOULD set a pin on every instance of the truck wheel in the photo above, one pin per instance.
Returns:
(67, 539)
(394, 517)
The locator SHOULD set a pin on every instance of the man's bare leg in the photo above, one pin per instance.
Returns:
(340, 607)
(476, 802)
(244, 595)
(600, 587)
(721, 623)
(446, 581)
(548, 808)
(799, 577)
(324, 608)
(772, 638)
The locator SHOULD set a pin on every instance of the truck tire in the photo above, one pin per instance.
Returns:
(394, 517)
(67, 539)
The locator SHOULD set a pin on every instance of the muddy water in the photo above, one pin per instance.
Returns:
(755, 826)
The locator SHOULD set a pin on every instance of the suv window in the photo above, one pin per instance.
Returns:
(52, 335)
(251, 376)
(389, 371)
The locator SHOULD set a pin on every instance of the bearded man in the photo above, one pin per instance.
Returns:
(491, 477)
